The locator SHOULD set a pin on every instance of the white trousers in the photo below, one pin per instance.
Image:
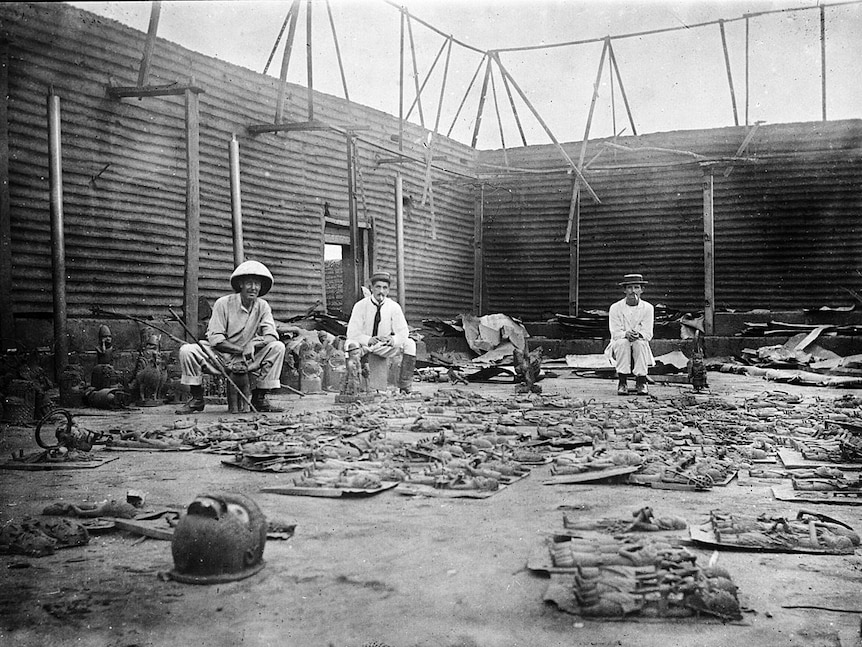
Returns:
(624, 352)
(194, 362)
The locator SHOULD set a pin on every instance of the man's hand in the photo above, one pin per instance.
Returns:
(631, 335)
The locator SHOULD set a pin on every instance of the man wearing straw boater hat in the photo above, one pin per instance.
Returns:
(377, 323)
(631, 326)
(241, 327)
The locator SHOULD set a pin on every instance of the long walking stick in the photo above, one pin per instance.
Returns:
(215, 360)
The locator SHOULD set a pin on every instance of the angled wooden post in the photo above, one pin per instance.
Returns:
(466, 94)
(729, 73)
(309, 60)
(144, 72)
(613, 60)
(337, 52)
(193, 212)
(285, 62)
(421, 88)
(399, 240)
(443, 87)
(499, 119)
(277, 41)
(511, 102)
(7, 312)
(415, 70)
(481, 108)
(550, 134)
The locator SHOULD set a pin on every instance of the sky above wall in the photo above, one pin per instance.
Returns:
(675, 80)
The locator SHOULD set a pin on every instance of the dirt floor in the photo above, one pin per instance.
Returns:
(391, 569)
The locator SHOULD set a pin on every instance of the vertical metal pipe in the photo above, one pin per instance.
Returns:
(7, 312)
(823, 59)
(309, 61)
(478, 254)
(355, 243)
(708, 254)
(746, 68)
(399, 239)
(58, 248)
(236, 203)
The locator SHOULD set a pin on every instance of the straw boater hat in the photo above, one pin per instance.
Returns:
(633, 279)
(252, 268)
(380, 276)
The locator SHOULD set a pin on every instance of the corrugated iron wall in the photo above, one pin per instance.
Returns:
(788, 216)
(124, 178)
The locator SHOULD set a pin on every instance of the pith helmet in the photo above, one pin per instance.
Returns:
(220, 538)
(252, 268)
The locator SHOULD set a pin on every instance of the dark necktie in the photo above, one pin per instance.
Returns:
(376, 324)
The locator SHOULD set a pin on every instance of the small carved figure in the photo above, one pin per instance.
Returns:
(151, 373)
(239, 371)
(310, 369)
(355, 374)
(696, 367)
(528, 365)
(104, 375)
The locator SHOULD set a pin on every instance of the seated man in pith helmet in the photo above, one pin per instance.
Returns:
(377, 323)
(631, 326)
(241, 327)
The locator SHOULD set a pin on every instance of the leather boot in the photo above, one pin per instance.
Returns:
(195, 404)
(405, 375)
(640, 385)
(623, 387)
(261, 404)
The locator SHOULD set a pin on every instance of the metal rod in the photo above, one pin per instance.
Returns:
(593, 104)
(236, 203)
(144, 71)
(399, 239)
(478, 253)
(58, 248)
(499, 119)
(729, 74)
(215, 361)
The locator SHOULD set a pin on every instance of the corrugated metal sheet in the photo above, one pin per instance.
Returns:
(787, 219)
(124, 175)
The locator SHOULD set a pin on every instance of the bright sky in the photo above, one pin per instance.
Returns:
(673, 81)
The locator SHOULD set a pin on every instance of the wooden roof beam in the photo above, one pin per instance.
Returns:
(298, 126)
(169, 90)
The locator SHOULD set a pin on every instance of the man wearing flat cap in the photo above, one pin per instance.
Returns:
(241, 327)
(631, 326)
(377, 323)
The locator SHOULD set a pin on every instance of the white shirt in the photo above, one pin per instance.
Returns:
(392, 321)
